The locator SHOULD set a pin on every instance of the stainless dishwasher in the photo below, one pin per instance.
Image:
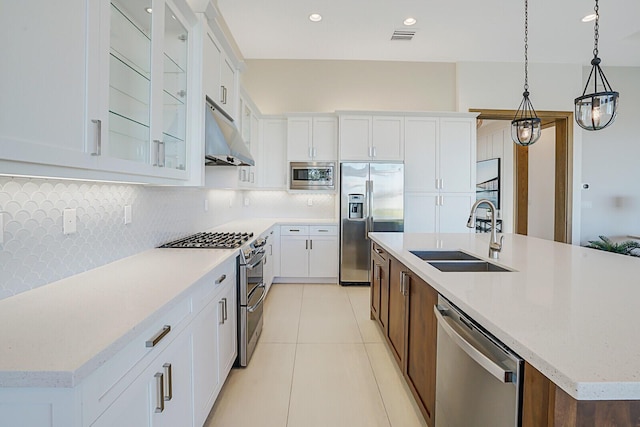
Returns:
(478, 379)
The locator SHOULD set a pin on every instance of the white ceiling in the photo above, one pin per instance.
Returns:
(447, 30)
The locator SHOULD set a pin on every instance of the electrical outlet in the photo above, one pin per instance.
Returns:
(127, 214)
(69, 225)
(246, 201)
(310, 202)
(230, 202)
(206, 205)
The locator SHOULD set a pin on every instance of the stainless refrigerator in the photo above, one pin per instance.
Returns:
(371, 199)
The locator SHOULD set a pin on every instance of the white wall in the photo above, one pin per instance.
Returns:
(553, 87)
(611, 161)
(542, 185)
(279, 86)
(494, 142)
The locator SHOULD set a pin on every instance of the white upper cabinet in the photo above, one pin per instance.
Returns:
(371, 138)
(312, 138)
(43, 81)
(273, 135)
(112, 102)
(440, 154)
(218, 74)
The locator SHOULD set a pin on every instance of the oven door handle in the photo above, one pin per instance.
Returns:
(256, 260)
(257, 304)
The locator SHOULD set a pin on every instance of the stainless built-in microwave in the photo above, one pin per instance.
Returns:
(312, 175)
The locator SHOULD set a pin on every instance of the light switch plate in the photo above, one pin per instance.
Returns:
(69, 225)
(127, 214)
(206, 205)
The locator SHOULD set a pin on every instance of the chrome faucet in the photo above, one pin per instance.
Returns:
(495, 246)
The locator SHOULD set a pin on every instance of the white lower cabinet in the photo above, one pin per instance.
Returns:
(437, 212)
(160, 396)
(214, 343)
(168, 375)
(309, 251)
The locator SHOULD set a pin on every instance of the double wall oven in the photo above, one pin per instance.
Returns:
(251, 287)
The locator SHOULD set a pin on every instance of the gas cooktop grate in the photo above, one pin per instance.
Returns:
(203, 240)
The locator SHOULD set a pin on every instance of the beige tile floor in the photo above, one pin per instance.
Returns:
(320, 362)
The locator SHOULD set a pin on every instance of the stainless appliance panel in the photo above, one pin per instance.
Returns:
(387, 194)
(477, 378)
(251, 295)
(312, 176)
(379, 188)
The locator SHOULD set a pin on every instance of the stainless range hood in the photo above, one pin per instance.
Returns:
(223, 143)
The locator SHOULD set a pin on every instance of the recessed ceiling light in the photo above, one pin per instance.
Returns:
(410, 21)
(149, 10)
(315, 17)
(589, 18)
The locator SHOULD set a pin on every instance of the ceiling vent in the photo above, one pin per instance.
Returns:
(403, 35)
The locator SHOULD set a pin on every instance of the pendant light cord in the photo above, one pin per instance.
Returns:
(596, 32)
(526, 45)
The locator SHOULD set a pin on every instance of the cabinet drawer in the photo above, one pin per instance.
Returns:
(294, 230)
(323, 230)
(103, 386)
(379, 251)
(213, 282)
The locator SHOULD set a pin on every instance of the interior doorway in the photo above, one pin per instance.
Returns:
(561, 121)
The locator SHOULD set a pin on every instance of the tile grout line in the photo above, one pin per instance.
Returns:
(373, 371)
(295, 356)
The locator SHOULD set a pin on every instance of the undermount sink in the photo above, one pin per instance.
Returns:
(444, 256)
(463, 266)
(456, 261)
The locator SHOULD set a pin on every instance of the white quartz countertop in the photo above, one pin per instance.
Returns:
(569, 311)
(58, 334)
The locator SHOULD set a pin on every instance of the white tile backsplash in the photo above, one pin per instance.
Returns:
(35, 251)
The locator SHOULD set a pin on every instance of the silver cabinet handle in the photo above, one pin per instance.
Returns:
(310, 152)
(98, 124)
(221, 304)
(161, 154)
(224, 306)
(370, 152)
(222, 94)
(159, 392)
(374, 152)
(311, 244)
(270, 249)
(221, 279)
(168, 376)
(323, 231)
(158, 337)
(306, 244)
(378, 251)
(156, 146)
(295, 230)
(253, 178)
(377, 271)
(492, 367)
(403, 276)
(315, 152)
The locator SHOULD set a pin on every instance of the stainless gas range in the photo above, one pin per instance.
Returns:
(250, 282)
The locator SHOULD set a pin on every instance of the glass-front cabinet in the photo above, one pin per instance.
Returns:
(148, 84)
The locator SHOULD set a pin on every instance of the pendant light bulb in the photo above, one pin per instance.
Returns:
(599, 109)
(526, 127)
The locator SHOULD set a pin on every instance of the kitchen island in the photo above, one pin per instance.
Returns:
(568, 311)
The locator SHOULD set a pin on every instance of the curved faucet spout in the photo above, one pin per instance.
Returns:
(495, 245)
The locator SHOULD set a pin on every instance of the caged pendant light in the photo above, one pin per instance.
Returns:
(596, 110)
(526, 126)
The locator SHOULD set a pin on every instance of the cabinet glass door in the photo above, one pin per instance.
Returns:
(130, 80)
(174, 91)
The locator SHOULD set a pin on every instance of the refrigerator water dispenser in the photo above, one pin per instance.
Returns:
(356, 202)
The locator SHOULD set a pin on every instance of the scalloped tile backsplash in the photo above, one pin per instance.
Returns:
(36, 252)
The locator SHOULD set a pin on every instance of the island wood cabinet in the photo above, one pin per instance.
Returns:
(371, 138)
(309, 251)
(379, 285)
(312, 138)
(411, 331)
(544, 404)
